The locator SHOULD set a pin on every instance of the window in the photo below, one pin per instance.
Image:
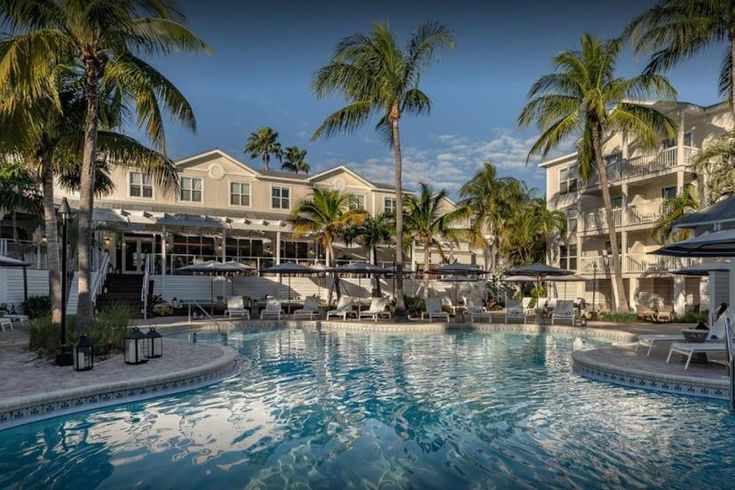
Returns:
(671, 142)
(567, 180)
(568, 257)
(359, 201)
(191, 189)
(617, 202)
(571, 224)
(239, 194)
(141, 185)
(280, 197)
(668, 192)
(294, 250)
(389, 204)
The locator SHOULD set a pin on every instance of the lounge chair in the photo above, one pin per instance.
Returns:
(434, 310)
(716, 331)
(715, 342)
(526, 304)
(272, 309)
(476, 311)
(564, 311)
(6, 322)
(665, 313)
(344, 307)
(645, 312)
(236, 307)
(514, 310)
(378, 308)
(310, 309)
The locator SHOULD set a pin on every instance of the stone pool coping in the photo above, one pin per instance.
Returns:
(25, 409)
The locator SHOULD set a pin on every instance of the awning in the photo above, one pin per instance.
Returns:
(719, 212)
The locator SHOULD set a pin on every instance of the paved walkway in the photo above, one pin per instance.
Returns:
(24, 373)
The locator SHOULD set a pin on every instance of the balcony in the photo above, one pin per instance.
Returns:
(640, 214)
(648, 165)
(636, 264)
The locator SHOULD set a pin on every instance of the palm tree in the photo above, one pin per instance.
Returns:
(18, 192)
(379, 78)
(262, 144)
(100, 40)
(528, 231)
(295, 160)
(429, 222)
(584, 99)
(488, 199)
(675, 30)
(327, 214)
(49, 143)
(672, 210)
(373, 232)
(717, 162)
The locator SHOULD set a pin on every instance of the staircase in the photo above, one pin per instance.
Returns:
(122, 289)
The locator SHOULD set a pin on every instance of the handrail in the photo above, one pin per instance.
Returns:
(146, 286)
(100, 277)
(206, 313)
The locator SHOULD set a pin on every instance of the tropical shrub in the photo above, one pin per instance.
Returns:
(415, 305)
(37, 306)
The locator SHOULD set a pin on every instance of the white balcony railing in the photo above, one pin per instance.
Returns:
(635, 264)
(647, 164)
(639, 214)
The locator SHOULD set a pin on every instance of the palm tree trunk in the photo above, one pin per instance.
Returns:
(397, 157)
(427, 263)
(86, 196)
(620, 301)
(732, 57)
(52, 241)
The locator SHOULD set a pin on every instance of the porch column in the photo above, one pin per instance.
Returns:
(624, 146)
(224, 245)
(680, 142)
(632, 288)
(623, 248)
(679, 182)
(278, 247)
(680, 298)
(624, 205)
(164, 257)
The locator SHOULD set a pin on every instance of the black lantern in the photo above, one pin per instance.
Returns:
(155, 343)
(135, 347)
(83, 354)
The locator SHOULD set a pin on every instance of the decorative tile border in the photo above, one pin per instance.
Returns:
(229, 366)
(679, 385)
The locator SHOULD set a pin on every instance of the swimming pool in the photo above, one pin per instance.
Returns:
(331, 410)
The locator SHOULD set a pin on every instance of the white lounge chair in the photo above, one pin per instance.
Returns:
(378, 308)
(434, 310)
(526, 304)
(272, 309)
(650, 340)
(715, 342)
(514, 310)
(310, 309)
(344, 307)
(236, 307)
(6, 322)
(476, 311)
(564, 310)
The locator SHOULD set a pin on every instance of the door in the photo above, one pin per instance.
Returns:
(136, 249)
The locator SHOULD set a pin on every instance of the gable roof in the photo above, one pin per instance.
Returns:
(340, 168)
(214, 153)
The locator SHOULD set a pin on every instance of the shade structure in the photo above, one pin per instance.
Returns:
(703, 269)
(538, 270)
(289, 269)
(716, 244)
(458, 269)
(720, 212)
(213, 268)
(11, 262)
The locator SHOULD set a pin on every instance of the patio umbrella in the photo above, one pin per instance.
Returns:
(360, 269)
(213, 268)
(456, 279)
(319, 269)
(719, 212)
(703, 269)
(10, 262)
(458, 269)
(538, 270)
(289, 269)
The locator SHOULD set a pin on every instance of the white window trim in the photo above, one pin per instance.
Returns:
(229, 193)
(567, 180)
(290, 197)
(395, 202)
(359, 195)
(141, 197)
(191, 201)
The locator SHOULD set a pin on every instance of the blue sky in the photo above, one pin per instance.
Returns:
(264, 56)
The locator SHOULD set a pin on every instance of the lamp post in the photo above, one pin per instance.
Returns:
(64, 357)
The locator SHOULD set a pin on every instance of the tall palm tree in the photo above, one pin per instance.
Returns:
(717, 163)
(18, 192)
(380, 79)
(327, 214)
(101, 39)
(488, 199)
(49, 144)
(672, 210)
(373, 232)
(295, 160)
(583, 98)
(527, 233)
(675, 30)
(262, 144)
(429, 222)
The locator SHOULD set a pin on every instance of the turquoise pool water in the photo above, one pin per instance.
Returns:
(337, 410)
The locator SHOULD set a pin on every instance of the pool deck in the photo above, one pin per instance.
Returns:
(33, 388)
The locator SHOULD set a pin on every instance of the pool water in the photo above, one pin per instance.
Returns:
(339, 410)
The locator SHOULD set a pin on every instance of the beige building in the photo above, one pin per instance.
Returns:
(640, 181)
